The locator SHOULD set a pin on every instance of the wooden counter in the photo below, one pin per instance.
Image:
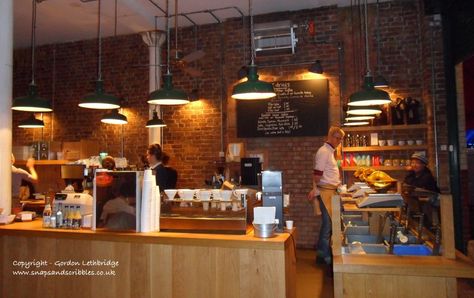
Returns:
(150, 264)
(373, 275)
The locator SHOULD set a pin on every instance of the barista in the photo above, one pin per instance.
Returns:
(18, 175)
(154, 157)
(108, 163)
(172, 176)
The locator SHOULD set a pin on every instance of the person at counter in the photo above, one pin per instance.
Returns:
(420, 183)
(20, 174)
(419, 175)
(155, 159)
(326, 179)
(172, 178)
(108, 163)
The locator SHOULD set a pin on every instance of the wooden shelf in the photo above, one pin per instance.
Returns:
(386, 127)
(45, 162)
(378, 168)
(383, 148)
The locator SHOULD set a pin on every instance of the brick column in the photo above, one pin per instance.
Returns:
(6, 75)
(154, 40)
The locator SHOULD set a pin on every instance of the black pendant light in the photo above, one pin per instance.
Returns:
(368, 96)
(168, 95)
(99, 99)
(316, 67)
(253, 88)
(114, 117)
(155, 121)
(363, 110)
(31, 122)
(32, 102)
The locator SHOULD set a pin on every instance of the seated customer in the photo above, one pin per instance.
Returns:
(419, 175)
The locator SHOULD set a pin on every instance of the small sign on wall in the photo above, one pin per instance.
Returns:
(301, 108)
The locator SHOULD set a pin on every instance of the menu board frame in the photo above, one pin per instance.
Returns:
(300, 109)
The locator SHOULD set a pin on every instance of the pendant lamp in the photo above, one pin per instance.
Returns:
(155, 121)
(368, 96)
(168, 95)
(32, 102)
(363, 110)
(31, 122)
(356, 123)
(99, 99)
(359, 118)
(114, 117)
(316, 67)
(253, 88)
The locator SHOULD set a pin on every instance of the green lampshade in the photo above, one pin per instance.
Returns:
(114, 117)
(155, 121)
(380, 82)
(359, 118)
(363, 110)
(32, 102)
(369, 96)
(31, 122)
(253, 88)
(168, 95)
(316, 67)
(99, 99)
(356, 123)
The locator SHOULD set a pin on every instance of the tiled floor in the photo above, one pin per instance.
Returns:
(311, 279)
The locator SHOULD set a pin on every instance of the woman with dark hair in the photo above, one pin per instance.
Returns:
(155, 160)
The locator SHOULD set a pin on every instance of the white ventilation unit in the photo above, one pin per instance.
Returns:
(275, 37)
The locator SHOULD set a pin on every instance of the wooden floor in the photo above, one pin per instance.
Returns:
(311, 279)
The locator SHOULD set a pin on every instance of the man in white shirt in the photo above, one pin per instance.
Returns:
(326, 179)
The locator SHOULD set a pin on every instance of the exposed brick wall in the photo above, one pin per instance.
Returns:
(74, 66)
(193, 134)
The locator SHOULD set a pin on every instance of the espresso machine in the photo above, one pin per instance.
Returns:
(272, 193)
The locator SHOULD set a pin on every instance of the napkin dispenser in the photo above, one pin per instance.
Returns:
(272, 194)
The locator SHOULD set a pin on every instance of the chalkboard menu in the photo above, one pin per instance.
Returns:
(300, 108)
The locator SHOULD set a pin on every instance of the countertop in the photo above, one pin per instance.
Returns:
(35, 229)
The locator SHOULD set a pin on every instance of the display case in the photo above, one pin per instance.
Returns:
(214, 214)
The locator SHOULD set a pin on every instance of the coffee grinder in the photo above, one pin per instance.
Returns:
(272, 193)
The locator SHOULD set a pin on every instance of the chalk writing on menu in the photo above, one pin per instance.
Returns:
(299, 109)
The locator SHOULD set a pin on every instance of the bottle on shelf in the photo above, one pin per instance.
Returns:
(47, 213)
(59, 216)
(77, 218)
(348, 141)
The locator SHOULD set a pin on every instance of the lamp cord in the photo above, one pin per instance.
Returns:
(176, 28)
(99, 45)
(251, 33)
(168, 47)
(366, 39)
(33, 42)
(377, 35)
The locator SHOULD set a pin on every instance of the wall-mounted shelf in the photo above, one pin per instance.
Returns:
(378, 168)
(383, 148)
(45, 162)
(386, 127)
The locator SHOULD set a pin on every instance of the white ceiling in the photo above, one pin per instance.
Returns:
(61, 21)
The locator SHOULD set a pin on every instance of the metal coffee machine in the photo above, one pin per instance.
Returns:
(272, 193)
